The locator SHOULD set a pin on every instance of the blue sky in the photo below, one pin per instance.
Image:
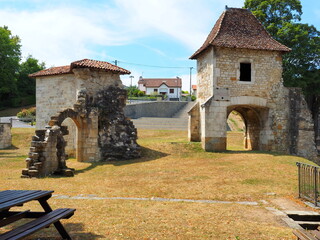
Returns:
(161, 33)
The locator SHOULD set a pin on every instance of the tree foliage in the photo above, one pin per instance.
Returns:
(282, 18)
(25, 84)
(16, 88)
(133, 91)
(9, 63)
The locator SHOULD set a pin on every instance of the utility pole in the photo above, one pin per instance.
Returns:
(190, 81)
(131, 80)
(115, 62)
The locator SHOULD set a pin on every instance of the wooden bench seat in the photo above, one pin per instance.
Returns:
(39, 223)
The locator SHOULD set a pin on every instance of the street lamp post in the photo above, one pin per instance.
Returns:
(130, 87)
(190, 81)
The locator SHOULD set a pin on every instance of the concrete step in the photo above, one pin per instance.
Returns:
(183, 113)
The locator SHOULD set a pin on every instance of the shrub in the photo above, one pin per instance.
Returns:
(27, 113)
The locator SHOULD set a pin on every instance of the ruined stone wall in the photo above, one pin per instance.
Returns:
(301, 134)
(47, 155)
(5, 135)
(94, 81)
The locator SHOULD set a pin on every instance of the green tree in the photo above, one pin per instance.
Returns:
(9, 64)
(26, 85)
(133, 91)
(281, 19)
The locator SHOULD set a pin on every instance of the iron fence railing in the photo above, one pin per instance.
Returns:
(309, 182)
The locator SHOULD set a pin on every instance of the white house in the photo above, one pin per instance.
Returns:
(162, 86)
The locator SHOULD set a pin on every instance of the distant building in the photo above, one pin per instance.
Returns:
(162, 86)
(194, 90)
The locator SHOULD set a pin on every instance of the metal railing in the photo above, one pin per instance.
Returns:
(309, 182)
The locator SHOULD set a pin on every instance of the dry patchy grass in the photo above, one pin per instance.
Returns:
(171, 167)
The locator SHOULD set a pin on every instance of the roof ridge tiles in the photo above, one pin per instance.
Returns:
(239, 28)
(84, 63)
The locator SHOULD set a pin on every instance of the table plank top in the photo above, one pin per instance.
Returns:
(11, 198)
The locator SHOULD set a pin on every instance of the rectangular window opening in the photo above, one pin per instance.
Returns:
(171, 90)
(245, 72)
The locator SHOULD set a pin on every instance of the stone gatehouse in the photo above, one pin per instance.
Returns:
(240, 69)
(80, 109)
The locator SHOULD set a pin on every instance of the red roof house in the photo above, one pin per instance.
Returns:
(165, 86)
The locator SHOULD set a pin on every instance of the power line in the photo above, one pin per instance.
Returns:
(145, 65)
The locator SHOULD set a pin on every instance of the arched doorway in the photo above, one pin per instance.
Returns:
(236, 129)
(71, 123)
(253, 124)
(71, 138)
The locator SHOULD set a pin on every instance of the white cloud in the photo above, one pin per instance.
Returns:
(60, 35)
(59, 32)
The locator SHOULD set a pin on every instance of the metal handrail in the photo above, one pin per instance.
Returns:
(308, 178)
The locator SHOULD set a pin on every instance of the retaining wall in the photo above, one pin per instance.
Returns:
(153, 109)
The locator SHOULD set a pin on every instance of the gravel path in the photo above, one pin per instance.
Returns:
(15, 123)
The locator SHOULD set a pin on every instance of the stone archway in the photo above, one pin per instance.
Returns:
(84, 129)
(253, 124)
(104, 133)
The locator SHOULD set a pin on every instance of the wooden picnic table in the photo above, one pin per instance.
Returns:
(14, 198)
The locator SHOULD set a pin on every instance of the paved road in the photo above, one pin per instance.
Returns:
(16, 123)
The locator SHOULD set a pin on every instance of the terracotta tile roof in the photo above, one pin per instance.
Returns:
(239, 28)
(157, 82)
(85, 63)
(52, 71)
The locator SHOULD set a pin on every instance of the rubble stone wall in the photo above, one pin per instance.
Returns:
(5, 135)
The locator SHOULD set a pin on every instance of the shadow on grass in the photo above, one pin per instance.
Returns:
(75, 230)
(12, 147)
(147, 154)
(255, 152)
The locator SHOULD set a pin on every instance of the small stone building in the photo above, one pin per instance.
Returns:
(80, 109)
(5, 135)
(240, 69)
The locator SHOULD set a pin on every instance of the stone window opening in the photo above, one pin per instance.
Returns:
(245, 72)
(171, 90)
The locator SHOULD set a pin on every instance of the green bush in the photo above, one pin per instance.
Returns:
(27, 113)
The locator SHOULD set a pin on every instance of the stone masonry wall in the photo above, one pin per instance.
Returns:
(220, 67)
(266, 68)
(58, 92)
(279, 118)
(53, 94)
(5, 135)
(205, 75)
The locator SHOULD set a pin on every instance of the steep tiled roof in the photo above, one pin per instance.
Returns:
(239, 28)
(85, 63)
(157, 82)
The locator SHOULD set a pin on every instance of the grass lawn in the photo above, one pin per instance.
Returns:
(171, 167)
